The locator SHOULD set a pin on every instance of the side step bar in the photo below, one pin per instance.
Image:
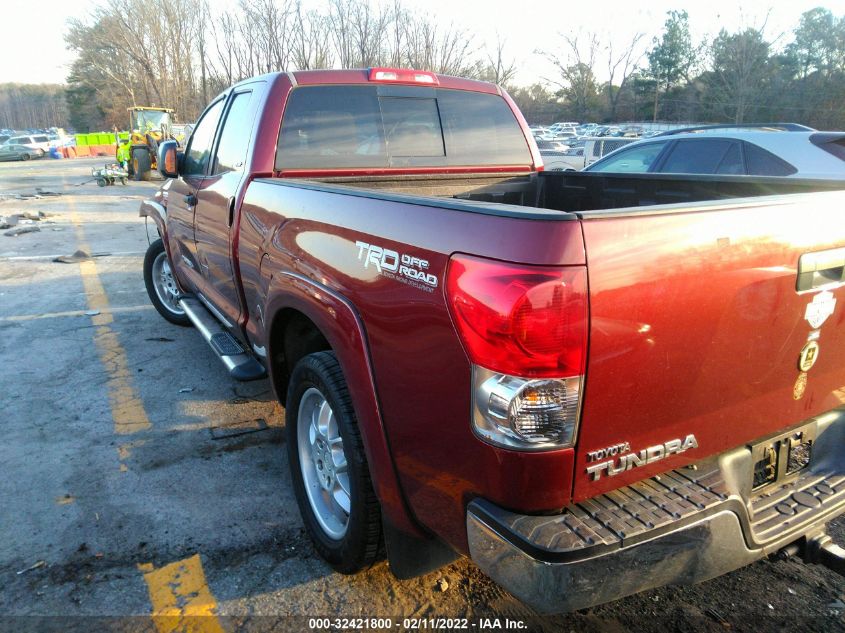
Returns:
(241, 365)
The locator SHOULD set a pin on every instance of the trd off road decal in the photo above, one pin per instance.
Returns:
(407, 269)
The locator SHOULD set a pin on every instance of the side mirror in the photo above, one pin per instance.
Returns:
(168, 163)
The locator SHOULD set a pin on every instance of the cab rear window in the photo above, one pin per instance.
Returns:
(338, 127)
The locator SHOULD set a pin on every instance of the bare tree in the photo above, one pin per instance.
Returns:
(621, 64)
(576, 70)
(499, 69)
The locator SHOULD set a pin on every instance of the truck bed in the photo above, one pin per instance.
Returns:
(577, 192)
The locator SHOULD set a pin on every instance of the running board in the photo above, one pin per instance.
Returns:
(241, 365)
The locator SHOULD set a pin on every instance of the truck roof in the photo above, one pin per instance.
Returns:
(362, 76)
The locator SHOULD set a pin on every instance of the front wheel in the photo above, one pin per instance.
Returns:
(161, 285)
(328, 466)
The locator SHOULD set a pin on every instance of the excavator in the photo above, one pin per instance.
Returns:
(148, 126)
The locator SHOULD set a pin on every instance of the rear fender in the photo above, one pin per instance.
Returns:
(338, 321)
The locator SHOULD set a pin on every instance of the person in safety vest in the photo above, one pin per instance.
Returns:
(123, 153)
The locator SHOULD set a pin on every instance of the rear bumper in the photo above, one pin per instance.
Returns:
(682, 527)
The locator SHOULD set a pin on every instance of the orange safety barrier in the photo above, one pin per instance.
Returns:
(82, 150)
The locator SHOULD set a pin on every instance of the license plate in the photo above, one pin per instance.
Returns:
(783, 456)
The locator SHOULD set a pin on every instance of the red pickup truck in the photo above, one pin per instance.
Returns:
(590, 384)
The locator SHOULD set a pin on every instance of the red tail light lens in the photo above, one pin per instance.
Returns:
(520, 320)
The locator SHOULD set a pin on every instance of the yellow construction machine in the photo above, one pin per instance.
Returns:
(148, 127)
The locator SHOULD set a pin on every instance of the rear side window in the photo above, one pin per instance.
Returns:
(696, 156)
(40, 139)
(831, 142)
(336, 127)
(763, 163)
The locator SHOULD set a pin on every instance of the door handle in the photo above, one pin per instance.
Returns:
(820, 269)
(231, 210)
(191, 200)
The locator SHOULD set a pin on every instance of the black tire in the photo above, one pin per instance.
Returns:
(361, 544)
(124, 181)
(25, 156)
(141, 164)
(101, 182)
(155, 251)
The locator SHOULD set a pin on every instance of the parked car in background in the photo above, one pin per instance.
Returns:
(596, 148)
(18, 152)
(36, 141)
(563, 160)
(799, 153)
(551, 146)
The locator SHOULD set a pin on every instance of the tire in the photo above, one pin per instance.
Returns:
(317, 380)
(41, 153)
(25, 156)
(124, 181)
(161, 292)
(141, 164)
(101, 182)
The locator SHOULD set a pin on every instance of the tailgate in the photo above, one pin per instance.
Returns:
(697, 328)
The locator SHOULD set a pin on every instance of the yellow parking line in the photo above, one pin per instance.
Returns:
(181, 598)
(127, 409)
(70, 313)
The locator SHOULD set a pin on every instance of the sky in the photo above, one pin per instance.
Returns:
(25, 60)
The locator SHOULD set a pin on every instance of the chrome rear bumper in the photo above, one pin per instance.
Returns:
(682, 527)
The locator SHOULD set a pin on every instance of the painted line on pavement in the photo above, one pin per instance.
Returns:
(127, 408)
(181, 598)
(24, 258)
(71, 313)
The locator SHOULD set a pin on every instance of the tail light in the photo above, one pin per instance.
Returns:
(525, 330)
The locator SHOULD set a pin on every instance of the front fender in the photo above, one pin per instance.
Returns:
(157, 213)
(338, 321)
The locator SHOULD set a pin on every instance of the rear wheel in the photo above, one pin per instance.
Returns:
(328, 466)
(161, 285)
(141, 164)
(25, 156)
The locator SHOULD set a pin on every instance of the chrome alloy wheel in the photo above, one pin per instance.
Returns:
(165, 284)
(323, 463)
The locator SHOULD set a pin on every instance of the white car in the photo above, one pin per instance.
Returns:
(779, 150)
(38, 142)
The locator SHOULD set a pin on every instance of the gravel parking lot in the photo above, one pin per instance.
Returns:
(138, 479)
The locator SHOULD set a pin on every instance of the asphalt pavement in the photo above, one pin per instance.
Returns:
(138, 480)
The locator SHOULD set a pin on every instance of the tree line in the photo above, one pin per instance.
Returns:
(738, 76)
(179, 54)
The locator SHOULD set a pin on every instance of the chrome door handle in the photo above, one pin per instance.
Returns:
(820, 269)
